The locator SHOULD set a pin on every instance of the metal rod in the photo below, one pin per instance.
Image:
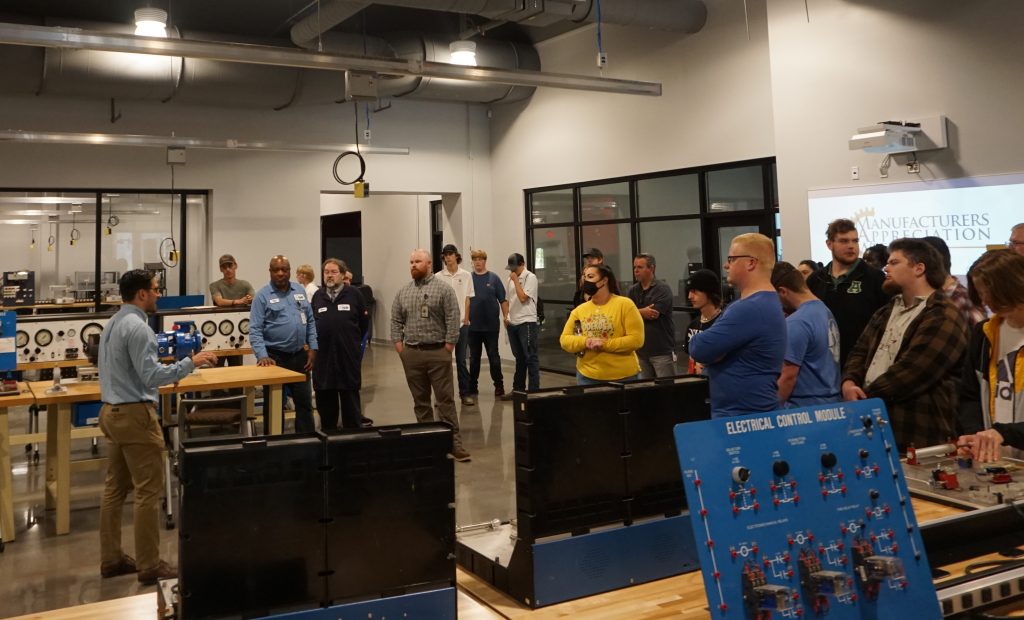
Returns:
(76, 38)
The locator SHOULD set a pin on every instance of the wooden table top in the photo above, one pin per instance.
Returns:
(205, 380)
(22, 398)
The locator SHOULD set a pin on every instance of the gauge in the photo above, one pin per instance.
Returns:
(226, 327)
(243, 326)
(209, 328)
(72, 333)
(91, 329)
(44, 337)
(21, 338)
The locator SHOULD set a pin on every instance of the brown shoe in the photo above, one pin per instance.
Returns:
(460, 455)
(499, 391)
(123, 566)
(162, 570)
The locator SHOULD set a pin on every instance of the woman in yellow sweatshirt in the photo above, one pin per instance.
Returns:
(604, 332)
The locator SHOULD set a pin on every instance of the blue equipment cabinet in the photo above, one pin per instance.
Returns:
(805, 513)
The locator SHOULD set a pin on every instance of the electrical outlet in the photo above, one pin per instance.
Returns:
(914, 167)
(602, 59)
(366, 135)
(854, 173)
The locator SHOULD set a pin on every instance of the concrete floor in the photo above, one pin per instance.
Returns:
(41, 571)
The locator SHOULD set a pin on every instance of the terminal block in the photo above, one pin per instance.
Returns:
(820, 582)
(761, 596)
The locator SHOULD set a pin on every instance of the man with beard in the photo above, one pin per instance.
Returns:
(911, 352)
(341, 321)
(425, 320)
(850, 287)
(282, 333)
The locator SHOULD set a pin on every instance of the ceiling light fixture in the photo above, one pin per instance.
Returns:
(150, 22)
(463, 53)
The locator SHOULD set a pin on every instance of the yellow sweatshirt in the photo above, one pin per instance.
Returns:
(622, 327)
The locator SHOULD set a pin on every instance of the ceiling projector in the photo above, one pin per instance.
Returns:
(886, 137)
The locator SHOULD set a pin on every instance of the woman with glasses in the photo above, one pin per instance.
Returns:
(604, 332)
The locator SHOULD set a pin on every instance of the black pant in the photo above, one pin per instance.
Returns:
(302, 393)
(327, 402)
(488, 341)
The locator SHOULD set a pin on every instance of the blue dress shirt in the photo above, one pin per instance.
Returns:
(281, 320)
(130, 371)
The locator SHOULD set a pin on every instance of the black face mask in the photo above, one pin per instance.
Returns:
(589, 288)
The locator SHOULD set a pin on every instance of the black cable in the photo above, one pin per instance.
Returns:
(355, 119)
(362, 168)
(172, 253)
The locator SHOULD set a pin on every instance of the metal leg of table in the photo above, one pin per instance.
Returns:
(58, 464)
(6, 482)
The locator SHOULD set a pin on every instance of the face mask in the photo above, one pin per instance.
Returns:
(590, 288)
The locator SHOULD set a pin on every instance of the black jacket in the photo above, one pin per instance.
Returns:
(340, 326)
(853, 302)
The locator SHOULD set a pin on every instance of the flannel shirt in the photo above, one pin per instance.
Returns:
(444, 313)
(920, 388)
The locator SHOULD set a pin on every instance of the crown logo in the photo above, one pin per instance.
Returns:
(861, 214)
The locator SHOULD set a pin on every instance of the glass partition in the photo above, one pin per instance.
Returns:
(554, 262)
(604, 202)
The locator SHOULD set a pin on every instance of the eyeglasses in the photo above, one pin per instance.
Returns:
(1013, 244)
(733, 259)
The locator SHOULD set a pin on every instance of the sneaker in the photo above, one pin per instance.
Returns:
(468, 400)
(460, 455)
(289, 404)
(367, 421)
(162, 570)
(499, 391)
(506, 396)
(123, 566)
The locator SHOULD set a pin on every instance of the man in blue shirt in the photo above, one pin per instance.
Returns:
(130, 375)
(810, 373)
(743, 351)
(484, 307)
(282, 333)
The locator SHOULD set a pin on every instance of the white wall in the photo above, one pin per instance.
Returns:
(862, 61)
(715, 107)
(262, 203)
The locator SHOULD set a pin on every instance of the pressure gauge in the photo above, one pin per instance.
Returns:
(243, 326)
(72, 333)
(44, 337)
(91, 329)
(226, 327)
(209, 328)
(21, 339)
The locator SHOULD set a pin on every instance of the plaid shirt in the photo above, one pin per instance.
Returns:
(971, 313)
(443, 313)
(920, 388)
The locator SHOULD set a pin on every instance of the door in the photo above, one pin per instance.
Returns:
(721, 233)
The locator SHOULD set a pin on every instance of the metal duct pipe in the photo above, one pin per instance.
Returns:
(329, 14)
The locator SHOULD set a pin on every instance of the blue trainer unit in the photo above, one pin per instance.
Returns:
(805, 513)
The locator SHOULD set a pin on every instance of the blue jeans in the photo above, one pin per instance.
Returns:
(461, 365)
(583, 380)
(524, 341)
(477, 342)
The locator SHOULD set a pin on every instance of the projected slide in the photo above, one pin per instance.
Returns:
(969, 214)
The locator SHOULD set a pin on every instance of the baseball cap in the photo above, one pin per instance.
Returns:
(449, 249)
(226, 259)
(593, 253)
(514, 260)
(705, 281)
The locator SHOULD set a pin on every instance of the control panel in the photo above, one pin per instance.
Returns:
(55, 339)
(19, 288)
(804, 513)
(217, 331)
(940, 473)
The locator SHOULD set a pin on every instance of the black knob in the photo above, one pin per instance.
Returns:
(828, 460)
(38, 350)
(780, 468)
(740, 474)
(863, 453)
(873, 493)
(60, 333)
(868, 422)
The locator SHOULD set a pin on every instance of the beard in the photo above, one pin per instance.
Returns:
(891, 288)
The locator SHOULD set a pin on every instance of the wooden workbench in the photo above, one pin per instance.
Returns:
(23, 398)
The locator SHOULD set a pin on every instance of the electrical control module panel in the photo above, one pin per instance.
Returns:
(55, 339)
(804, 513)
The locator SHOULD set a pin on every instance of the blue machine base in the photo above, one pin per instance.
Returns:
(434, 604)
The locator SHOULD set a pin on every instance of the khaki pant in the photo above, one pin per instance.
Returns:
(427, 369)
(135, 461)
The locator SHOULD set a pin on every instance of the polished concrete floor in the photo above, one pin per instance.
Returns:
(42, 571)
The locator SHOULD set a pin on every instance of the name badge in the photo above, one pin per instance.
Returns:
(344, 307)
(300, 297)
(324, 309)
(274, 300)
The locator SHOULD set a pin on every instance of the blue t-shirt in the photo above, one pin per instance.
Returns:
(485, 304)
(813, 344)
(742, 355)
